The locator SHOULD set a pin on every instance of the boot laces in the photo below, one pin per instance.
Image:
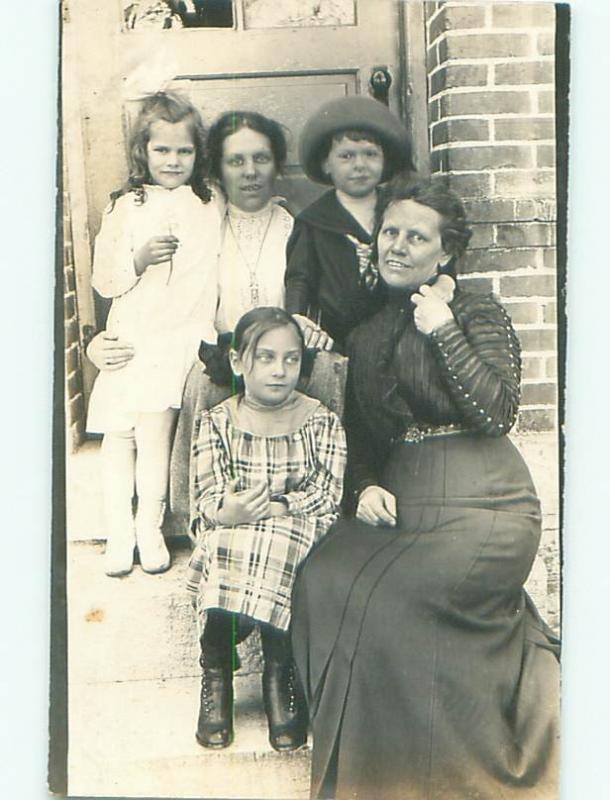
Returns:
(206, 693)
(291, 690)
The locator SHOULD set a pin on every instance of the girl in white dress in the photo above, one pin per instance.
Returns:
(155, 256)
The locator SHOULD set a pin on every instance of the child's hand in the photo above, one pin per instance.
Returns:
(156, 250)
(430, 311)
(249, 505)
(444, 286)
(313, 334)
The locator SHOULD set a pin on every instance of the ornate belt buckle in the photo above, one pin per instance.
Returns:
(413, 435)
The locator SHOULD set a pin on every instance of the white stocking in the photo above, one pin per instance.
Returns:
(118, 459)
(153, 434)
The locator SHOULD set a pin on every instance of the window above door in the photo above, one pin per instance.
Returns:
(172, 15)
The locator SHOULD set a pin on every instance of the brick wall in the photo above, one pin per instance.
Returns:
(491, 120)
(75, 407)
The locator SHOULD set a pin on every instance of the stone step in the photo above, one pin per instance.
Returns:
(135, 738)
(139, 627)
(134, 691)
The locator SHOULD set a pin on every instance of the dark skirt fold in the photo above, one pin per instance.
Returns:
(429, 673)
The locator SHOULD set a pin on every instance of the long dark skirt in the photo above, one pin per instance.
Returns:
(429, 674)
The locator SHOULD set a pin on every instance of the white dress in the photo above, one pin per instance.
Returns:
(252, 261)
(165, 312)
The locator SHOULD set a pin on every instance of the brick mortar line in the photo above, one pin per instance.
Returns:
(486, 143)
(435, 14)
(496, 170)
(521, 88)
(494, 30)
(494, 88)
(533, 326)
(532, 273)
(538, 353)
(492, 61)
(493, 117)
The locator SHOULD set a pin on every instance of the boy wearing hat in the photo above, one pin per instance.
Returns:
(353, 144)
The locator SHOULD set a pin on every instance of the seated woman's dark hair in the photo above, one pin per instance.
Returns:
(233, 121)
(436, 194)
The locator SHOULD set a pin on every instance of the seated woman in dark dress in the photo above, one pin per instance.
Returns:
(429, 673)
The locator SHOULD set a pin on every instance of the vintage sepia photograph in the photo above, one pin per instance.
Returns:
(311, 263)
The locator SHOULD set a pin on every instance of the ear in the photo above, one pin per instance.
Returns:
(324, 167)
(235, 362)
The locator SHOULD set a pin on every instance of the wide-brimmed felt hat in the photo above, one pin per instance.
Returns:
(355, 113)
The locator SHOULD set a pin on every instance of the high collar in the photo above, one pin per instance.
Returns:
(359, 207)
(254, 405)
(238, 213)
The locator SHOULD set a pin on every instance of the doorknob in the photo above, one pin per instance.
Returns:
(380, 82)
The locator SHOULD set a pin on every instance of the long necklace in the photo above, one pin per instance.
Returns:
(251, 265)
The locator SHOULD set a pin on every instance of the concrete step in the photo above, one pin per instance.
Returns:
(139, 627)
(136, 739)
(134, 691)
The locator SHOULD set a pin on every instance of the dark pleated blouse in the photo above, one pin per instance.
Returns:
(466, 373)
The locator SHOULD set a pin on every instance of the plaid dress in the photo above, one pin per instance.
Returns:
(250, 568)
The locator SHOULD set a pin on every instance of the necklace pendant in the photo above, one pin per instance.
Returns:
(254, 295)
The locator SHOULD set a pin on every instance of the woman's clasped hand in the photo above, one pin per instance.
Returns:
(377, 506)
(431, 310)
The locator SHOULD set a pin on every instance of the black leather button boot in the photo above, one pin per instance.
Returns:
(283, 696)
(215, 723)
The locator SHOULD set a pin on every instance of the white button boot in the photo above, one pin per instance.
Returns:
(120, 540)
(154, 555)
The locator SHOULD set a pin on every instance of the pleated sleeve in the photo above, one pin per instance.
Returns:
(479, 356)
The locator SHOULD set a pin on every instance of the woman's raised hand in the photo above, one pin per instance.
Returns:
(107, 352)
(156, 250)
(249, 505)
(430, 310)
(377, 506)
(313, 334)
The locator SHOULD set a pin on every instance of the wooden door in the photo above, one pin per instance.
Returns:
(281, 58)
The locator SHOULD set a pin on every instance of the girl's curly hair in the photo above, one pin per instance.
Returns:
(169, 107)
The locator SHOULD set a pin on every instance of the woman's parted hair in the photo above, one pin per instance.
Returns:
(233, 121)
(168, 107)
(436, 194)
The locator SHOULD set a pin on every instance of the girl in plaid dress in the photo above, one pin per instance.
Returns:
(269, 467)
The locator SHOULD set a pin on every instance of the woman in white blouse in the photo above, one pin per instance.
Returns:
(246, 152)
